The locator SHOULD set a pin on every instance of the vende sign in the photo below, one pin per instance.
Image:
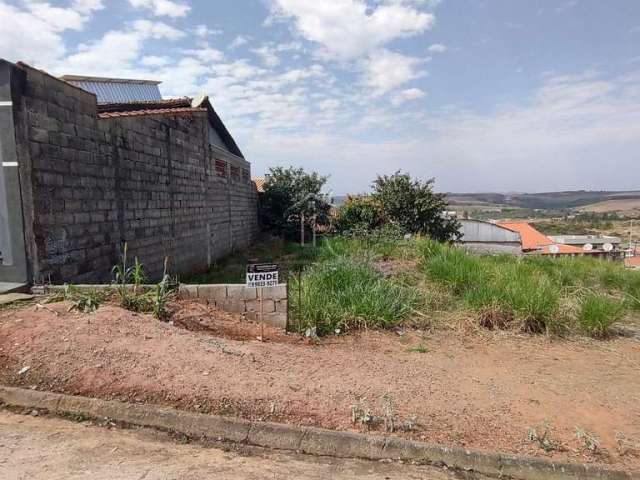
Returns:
(262, 275)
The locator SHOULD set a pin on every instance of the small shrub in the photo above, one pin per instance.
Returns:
(87, 302)
(362, 414)
(82, 301)
(588, 439)
(597, 313)
(153, 301)
(420, 348)
(359, 215)
(389, 413)
(541, 435)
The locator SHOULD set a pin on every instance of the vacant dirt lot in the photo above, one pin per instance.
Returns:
(479, 391)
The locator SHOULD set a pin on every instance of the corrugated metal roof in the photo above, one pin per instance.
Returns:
(116, 90)
(479, 231)
(584, 239)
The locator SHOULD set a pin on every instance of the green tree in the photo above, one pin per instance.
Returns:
(414, 206)
(359, 214)
(289, 194)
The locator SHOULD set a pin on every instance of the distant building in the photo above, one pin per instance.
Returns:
(536, 243)
(484, 237)
(590, 243)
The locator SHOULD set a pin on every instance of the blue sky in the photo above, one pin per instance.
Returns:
(495, 95)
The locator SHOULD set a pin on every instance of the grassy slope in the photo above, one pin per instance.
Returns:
(345, 286)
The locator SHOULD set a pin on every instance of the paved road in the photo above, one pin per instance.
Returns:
(47, 448)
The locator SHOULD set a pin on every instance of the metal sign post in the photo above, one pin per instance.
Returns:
(260, 275)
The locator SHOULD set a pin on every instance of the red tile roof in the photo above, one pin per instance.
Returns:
(259, 181)
(145, 105)
(532, 239)
(632, 262)
(159, 111)
(562, 250)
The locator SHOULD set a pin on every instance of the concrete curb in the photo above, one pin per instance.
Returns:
(307, 440)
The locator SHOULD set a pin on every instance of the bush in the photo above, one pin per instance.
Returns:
(346, 293)
(413, 205)
(288, 194)
(597, 313)
(359, 216)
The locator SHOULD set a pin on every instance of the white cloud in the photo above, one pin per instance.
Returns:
(87, 6)
(166, 8)
(437, 48)
(203, 31)
(407, 95)
(33, 33)
(572, 132)
(329, 104)
(267, 55)
(347, 29)
(155, 61)
(115, 52)
(239, 41)
(205, 54)
(385, 70)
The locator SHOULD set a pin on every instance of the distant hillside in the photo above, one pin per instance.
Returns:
(542, 201)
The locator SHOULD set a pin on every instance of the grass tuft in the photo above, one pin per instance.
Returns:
(346, 293)
(597, 313)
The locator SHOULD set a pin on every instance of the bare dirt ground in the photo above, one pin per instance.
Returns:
(480, 391)
(52, 449)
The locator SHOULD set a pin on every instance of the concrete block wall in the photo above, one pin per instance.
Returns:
(243, 300)
(89, 184)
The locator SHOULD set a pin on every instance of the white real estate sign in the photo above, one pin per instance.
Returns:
(262, 275)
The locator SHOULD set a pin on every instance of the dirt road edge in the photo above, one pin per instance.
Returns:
(307, 440)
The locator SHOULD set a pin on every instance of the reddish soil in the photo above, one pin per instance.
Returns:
(480, 391)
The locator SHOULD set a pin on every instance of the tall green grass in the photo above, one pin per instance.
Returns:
(345, 293)
(597, 313)
(533, 291)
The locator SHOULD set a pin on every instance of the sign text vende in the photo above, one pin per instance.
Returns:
(262, 275)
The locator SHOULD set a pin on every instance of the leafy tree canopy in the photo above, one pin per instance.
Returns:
(288, 194)
(414, 206)
(359, 214)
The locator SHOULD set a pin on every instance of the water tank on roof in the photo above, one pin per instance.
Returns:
(117, 90)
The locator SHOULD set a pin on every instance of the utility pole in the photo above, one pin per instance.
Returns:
(302, 229)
